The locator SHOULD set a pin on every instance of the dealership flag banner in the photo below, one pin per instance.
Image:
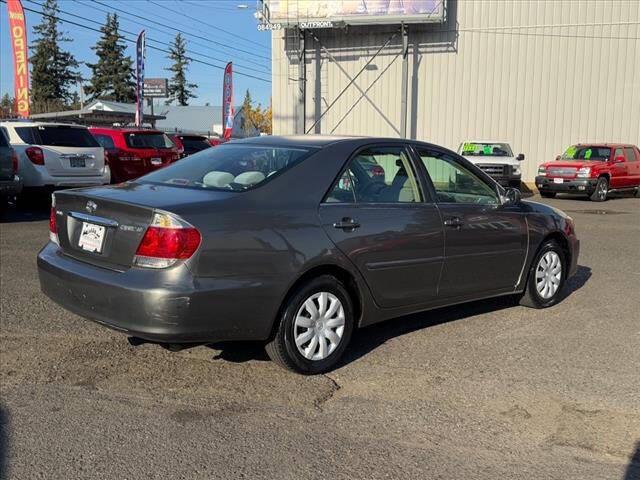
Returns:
(140, 79)
(227, 102)
(18, 33)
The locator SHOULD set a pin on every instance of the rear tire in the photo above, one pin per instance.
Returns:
(310, 343)
(546, 277)
(548, 194)
(601, 191)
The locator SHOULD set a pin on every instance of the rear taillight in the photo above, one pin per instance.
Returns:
(53, 227)
(36, 155)
(167, 240)
(14, 162)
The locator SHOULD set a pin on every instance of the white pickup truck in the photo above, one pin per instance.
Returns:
(496, 159)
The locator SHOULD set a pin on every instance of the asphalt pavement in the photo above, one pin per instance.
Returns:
(488, 390)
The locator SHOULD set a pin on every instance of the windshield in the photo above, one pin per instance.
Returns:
(588, 152)
(148, 140)
(59, 136)
(472, 149)
(228, 167)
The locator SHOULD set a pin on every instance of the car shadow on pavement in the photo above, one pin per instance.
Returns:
(370, 338)
(4, 442)
(12, 214)
(633, 469)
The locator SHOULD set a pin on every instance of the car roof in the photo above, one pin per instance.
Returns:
(296, 140)
(125, 130)
(486, 141)
(605, 145)
(27, 123)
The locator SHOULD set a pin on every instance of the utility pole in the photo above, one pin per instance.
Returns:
(302, 81)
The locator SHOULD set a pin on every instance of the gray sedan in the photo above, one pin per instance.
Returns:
(297, 241)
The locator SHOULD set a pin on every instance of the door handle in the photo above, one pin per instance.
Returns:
(346, 224)
(455, 222)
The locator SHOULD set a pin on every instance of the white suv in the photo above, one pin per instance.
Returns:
(57, 155)
(496, 159)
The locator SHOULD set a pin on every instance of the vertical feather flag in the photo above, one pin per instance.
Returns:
(227, 102)
(18, 33)
(140, 46)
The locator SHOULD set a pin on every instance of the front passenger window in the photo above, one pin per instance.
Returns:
(453, 183)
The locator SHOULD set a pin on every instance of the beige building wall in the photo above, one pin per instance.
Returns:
(537, 74)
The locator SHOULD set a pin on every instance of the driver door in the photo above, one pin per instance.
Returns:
(485, 241)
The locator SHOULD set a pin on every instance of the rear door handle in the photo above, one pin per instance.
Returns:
(347, 224)
(455, 222)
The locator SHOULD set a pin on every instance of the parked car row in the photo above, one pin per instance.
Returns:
(40, 157)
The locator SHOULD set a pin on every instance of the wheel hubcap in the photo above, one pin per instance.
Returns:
(319, 326)
(548, 275)
(602, 190)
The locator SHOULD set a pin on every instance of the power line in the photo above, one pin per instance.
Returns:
(204, 55)
(195, 60)
(178, 30)
(194, 42)
(207, 24)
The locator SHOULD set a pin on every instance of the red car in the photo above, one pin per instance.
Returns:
(133, 152)
(592, 169)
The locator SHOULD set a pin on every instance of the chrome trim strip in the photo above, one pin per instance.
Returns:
(106, 222)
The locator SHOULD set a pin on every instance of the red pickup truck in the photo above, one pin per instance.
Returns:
(593, 169)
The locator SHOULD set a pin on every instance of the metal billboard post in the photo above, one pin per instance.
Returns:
(405, 81)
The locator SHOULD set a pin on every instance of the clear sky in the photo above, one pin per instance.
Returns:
(199, 20)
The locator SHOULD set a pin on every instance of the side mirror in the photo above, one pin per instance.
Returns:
(512, 196)
(520, 157)
(557, 157)
(618, 159)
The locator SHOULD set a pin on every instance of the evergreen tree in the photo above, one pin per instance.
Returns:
(54, 70)
(112, 75)
(6, 106)
(179, 89)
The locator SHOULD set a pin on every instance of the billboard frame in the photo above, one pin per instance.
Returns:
(263, 15)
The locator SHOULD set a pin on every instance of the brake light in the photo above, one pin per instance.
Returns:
(36, 155)
(167, 240)
(14, 161)
(53, 227)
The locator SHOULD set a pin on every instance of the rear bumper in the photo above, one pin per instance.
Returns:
(9, 188)
(581, 185)
(38, 176)
(154, 305)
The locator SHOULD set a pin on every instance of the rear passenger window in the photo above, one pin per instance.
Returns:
(27, 135)
(4, 142)
(384, 175)
(631, 154)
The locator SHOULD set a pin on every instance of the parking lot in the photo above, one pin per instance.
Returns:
(484, 390)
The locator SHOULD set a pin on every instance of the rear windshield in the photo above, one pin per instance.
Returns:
(478, 149)
(58, 136)
(195, 144)
(587, 153)
(148, 140)
(228, 167)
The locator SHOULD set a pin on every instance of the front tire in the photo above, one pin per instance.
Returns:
(546, 277)
(601, 191)
(315, 327)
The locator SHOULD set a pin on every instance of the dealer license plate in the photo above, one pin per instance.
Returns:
(77, 162)
(558, 180)
(91, 237)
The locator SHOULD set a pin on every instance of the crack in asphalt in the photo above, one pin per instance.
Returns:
(323, 399)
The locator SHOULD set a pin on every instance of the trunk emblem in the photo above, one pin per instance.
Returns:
(91, 206)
